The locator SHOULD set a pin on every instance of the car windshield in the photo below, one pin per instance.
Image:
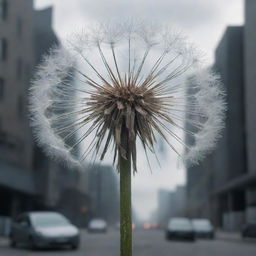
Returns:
(48, 219)
(97, 222)
(180, 223)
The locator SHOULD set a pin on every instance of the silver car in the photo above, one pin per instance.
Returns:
(43, 230)
(203, 228)
(180, 228)
(97, 225)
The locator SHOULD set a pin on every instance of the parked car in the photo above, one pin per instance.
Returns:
(97, 225)
(203, 228)
(249, 230)
(43, 230)
(180, 228)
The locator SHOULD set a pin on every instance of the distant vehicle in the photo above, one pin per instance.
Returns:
(43, 230)
(249, 230)
(147, 225)
(180, 228)
(203, 228)
(97, 225)
(154, 225)
(150, 225)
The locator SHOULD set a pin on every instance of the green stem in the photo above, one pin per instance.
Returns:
(125, 203)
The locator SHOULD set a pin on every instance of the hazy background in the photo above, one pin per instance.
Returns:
(202, 21)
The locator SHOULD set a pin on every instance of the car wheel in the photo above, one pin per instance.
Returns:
(75, 246)
(31, 244)
(167, 237)
(192, 239)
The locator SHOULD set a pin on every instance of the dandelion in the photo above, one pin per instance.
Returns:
(112, 87)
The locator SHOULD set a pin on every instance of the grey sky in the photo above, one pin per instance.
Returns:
(203, 21)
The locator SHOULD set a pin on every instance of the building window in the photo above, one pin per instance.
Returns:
(3, 49)
(19, 68)
(1, 88)
(3, 9)
(19, 26)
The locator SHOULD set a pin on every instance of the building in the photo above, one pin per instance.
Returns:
(171, 204)
(104, 192)
(250, 104)
(177, 204)
(163, 208)
(223, 187)
(229, 160)
(17, 61)
(28, 179)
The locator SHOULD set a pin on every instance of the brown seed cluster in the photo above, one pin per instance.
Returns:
(125, 110)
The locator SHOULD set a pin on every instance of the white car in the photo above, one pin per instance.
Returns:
(180, 228)
(203, 228)
(97, 225)
(43, 230)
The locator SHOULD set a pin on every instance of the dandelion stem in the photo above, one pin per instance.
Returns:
(125, 200)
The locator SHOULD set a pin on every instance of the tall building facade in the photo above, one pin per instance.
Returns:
(163, 208)
(28, 179)
(17, 61)
(104, 192)
(250, 104)
(230, 156)
(171, 204)
(226, 180)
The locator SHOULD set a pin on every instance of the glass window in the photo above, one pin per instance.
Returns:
(23, 221)
(3, 9)
(1, 88)
(3, 49)
(48, 219)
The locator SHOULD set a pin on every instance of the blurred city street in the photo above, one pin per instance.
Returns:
(65, 104)
(146, 243)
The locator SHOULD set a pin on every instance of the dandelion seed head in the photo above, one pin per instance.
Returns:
(125, 79)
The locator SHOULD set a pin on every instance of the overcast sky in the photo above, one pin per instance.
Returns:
(203, 21)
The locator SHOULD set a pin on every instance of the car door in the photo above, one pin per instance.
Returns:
(16, 231)
(22, 229)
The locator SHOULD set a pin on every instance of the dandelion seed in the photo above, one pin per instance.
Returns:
(118, 85)
(125, 78)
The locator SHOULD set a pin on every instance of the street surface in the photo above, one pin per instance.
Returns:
(146, 243)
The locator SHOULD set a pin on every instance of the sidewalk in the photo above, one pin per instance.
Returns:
(226, 235)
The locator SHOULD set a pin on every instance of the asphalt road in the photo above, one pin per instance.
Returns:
(146, 243)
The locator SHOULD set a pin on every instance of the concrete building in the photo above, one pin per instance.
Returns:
(250, 103)
(229, 160)
(17, 60)
(163, 209)
(223, 186)
(171, 204)
(178, 200)
(28, 179)
(104, 192)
